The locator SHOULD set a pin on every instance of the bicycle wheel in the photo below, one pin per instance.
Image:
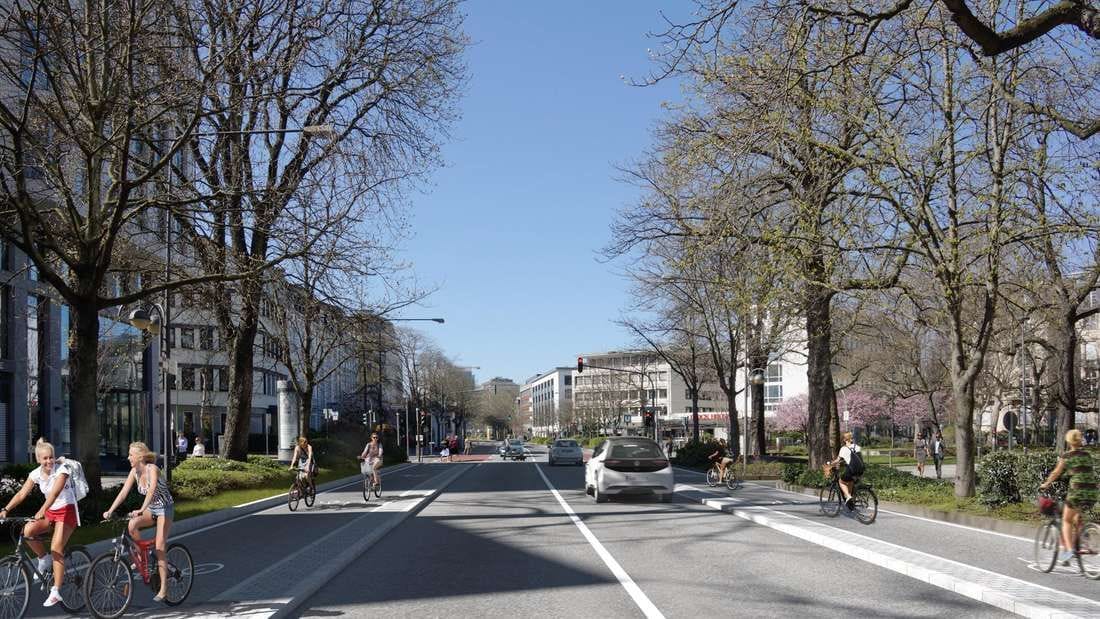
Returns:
(181, 574)
(865, 504)
(733, 481)
(109, 587)
(829, 500)
(293, 496)
(366, 488)
(15, 589)
(378, 487)
(1046, 546)
(310, 494)
(77, 561)
(1088, 550)
(712, 477)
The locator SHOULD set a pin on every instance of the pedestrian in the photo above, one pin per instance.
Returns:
(181, 447)
(668, 447)
(200, 448)
(920, 452)
(469, 446)
(938, 452)
(454, 446)
(444, 450)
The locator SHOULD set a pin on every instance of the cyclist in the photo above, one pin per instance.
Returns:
(721, 458)
(52, 479)
(157, 508)
(847, 479)
(1082, 494)
(372, 455)
(303, 455)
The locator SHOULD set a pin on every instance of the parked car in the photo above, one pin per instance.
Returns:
(624, 465)
(566, 451)
(515, 450)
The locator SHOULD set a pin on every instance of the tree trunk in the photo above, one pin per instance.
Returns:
(83, 394)
(239, 407)
(695, 415)
(964, 437)
(819, 373)
(1065, 389)
(305, 409)
(735, 426)
(758, 419)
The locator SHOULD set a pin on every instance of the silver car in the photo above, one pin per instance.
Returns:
(566, 451)
(624, 465)
(515, 449)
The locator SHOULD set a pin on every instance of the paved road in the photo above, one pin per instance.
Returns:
(507, 539)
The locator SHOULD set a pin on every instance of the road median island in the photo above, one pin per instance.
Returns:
(279, 589)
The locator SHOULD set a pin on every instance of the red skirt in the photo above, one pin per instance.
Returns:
(65, 515)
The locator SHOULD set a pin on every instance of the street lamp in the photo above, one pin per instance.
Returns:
(141, 320)
(755, 376)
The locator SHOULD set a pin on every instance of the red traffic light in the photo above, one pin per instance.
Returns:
(580, 364)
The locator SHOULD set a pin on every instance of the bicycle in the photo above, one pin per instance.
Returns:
(1048, 542)
(864, 504)
(16, 570)
(109, 585)
(302, 488)
(732, 481)
(368, 486)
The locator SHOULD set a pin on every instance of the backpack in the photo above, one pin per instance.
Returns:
(76, 476)
(855, 463)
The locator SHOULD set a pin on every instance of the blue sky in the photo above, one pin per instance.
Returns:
(510, 229)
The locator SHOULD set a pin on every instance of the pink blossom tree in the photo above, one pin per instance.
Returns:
(793, 414)
(864, 408)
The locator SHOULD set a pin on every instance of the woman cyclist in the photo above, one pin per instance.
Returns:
(303, 455)
(1082, 494)
(372, 457)
(720, 458)
(52, 479)
(157, 508)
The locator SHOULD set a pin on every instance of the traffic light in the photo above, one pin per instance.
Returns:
(580, 364)
(647, 417)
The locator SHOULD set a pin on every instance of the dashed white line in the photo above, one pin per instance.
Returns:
(633, 590)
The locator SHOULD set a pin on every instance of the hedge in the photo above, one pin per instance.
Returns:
(198, 478)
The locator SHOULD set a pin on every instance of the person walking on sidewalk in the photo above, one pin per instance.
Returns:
(1083, 488)
(938, 453)
(920, 452)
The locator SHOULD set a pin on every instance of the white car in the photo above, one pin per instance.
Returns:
(628, 465)
(565, 450)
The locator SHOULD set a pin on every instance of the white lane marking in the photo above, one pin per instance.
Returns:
(632, 589)
(984, 594)
(887, 511)
(242, 517)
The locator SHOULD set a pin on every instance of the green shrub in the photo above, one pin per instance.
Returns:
(997, 479)
(198, 478)
(1033, 470)
(812, 478)
(694, 454)
(792, 472)
(264, 461)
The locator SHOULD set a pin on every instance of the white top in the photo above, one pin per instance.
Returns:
(45, 484)
(846, 452)
(372, 455)
(937, 446)
(181, 444)
(200, 449)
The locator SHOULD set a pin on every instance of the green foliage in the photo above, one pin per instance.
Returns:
(792, 472)
(812, 478)
(198, 478)
(1012, 477)
(694, 454)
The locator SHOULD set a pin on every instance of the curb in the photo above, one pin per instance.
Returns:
(189, 526)
(1007, 527)
(328, 570)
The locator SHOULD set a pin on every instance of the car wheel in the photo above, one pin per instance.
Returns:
(551, 461)
(664, 498)
(588, 490)
(599, 496)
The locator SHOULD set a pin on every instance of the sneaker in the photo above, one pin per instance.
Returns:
(1065, 556)
(53, 598)
(850, 504)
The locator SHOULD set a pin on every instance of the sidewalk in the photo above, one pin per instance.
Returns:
(929, 470)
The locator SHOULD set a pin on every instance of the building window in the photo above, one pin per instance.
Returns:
(187, 378)
(187, 337)
(206, 338)
(223, 379)
(207, 375)
(775, 372)
(662, 393)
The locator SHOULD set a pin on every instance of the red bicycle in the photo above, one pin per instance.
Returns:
(109, 585)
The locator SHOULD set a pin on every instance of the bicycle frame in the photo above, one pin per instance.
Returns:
(137, 551)
(22, 553)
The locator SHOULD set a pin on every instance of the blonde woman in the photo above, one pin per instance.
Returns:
(1082, 493)
(58, 511)
(158, 507)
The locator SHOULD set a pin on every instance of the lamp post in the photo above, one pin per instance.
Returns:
(754, 376)
(158, 325)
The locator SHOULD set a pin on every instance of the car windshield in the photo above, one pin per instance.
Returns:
(565, 443)
(635, 450)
